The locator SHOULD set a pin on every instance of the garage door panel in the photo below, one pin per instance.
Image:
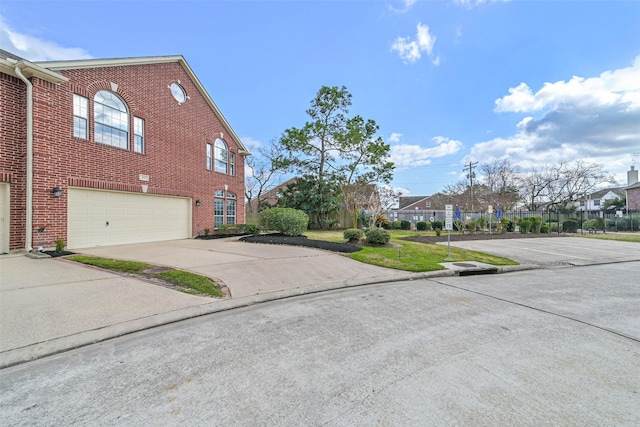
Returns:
(132, 217)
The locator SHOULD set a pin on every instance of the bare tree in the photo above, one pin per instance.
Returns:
(264, 174)
(500, 177)
(381, 199)
(560, 184)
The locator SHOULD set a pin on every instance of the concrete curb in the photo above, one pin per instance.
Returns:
(59, 345)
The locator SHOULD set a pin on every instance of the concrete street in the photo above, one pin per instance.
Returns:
(540, 347)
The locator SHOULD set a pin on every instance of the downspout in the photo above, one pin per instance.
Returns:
(29, 206)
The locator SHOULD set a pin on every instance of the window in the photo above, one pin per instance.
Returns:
(428, 204)
(224, 208)
(218, 212)
(111, 120)
(221, 156)
(138, 135)
(80, 116)
(596, 202)
(209, 157)
(231, 208)
(232, 163)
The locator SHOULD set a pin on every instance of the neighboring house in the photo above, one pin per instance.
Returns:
(270, 197)
(420, 208)
(633, 190)
(112, 151)
(435, 202)
(596, 200)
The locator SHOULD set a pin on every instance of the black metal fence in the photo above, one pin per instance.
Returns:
(610, 220)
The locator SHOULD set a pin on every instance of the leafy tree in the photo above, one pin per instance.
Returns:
(332, 153)
(617, 204)
(319, 199)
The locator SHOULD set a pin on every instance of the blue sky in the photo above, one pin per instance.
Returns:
(448, 82)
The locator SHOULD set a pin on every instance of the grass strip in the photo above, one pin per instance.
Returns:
(132, 267)
(635, 238)
(186, 282)
(192, 283)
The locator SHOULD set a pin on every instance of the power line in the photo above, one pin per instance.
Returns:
(471, 175)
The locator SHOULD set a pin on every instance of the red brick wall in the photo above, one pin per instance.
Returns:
(175, 145)
(13, 153)
(633, 199)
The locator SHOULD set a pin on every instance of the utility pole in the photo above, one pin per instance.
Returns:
(471, 175)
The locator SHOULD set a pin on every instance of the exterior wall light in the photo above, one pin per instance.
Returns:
(57, 192)
(198, 202)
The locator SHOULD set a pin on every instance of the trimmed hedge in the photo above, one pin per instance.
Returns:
(352, 234)
(288, 221)
(570, 226)
(378, 236)
(405, 225)
(422, 226)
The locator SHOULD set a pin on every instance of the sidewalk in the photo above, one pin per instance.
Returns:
(52, 305)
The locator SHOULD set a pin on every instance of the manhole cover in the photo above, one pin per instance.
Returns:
(463, 264)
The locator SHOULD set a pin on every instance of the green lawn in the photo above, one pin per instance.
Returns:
(409, 256)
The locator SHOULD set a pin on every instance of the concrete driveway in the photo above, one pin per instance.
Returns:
(560, 251)
(250, 268)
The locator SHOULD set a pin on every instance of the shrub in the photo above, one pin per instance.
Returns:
(288, 221)
(206, 231)
(387, 225)
(437, 224)
(509, 225)
(570, 226)
(536, 222)
(59, 245)
(252, 229)
(378, 236)
(525, 226)
(544, 228)
(395, 225)
(421, 226)
(352, 234)
(472, 226)
(438, 231)
(405, 225)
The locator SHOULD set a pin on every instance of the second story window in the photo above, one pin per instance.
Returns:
(80, 116)
(209, 157)
(111, 120)
(232, 163)
(138, 135)
(221, 156)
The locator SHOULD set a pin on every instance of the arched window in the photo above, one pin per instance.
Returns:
(221, 156)
(111, 119)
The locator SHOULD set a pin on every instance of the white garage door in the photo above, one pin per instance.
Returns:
(103, 218)
(4, 218)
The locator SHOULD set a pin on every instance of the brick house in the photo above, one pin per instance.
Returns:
(112, 151)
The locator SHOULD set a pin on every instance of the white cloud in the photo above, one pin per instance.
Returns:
(410, 50)
(406, 5)
(619, 87)
(596, 119)
(394, 137)
(469, 4)
(406, 156)
(34, 48)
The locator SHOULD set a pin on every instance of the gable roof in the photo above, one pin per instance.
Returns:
(147, 60)
(618, 191)
(49, 71)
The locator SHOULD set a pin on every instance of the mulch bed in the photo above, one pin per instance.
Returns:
(54, 254)
(456, 237)
(281, 239)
